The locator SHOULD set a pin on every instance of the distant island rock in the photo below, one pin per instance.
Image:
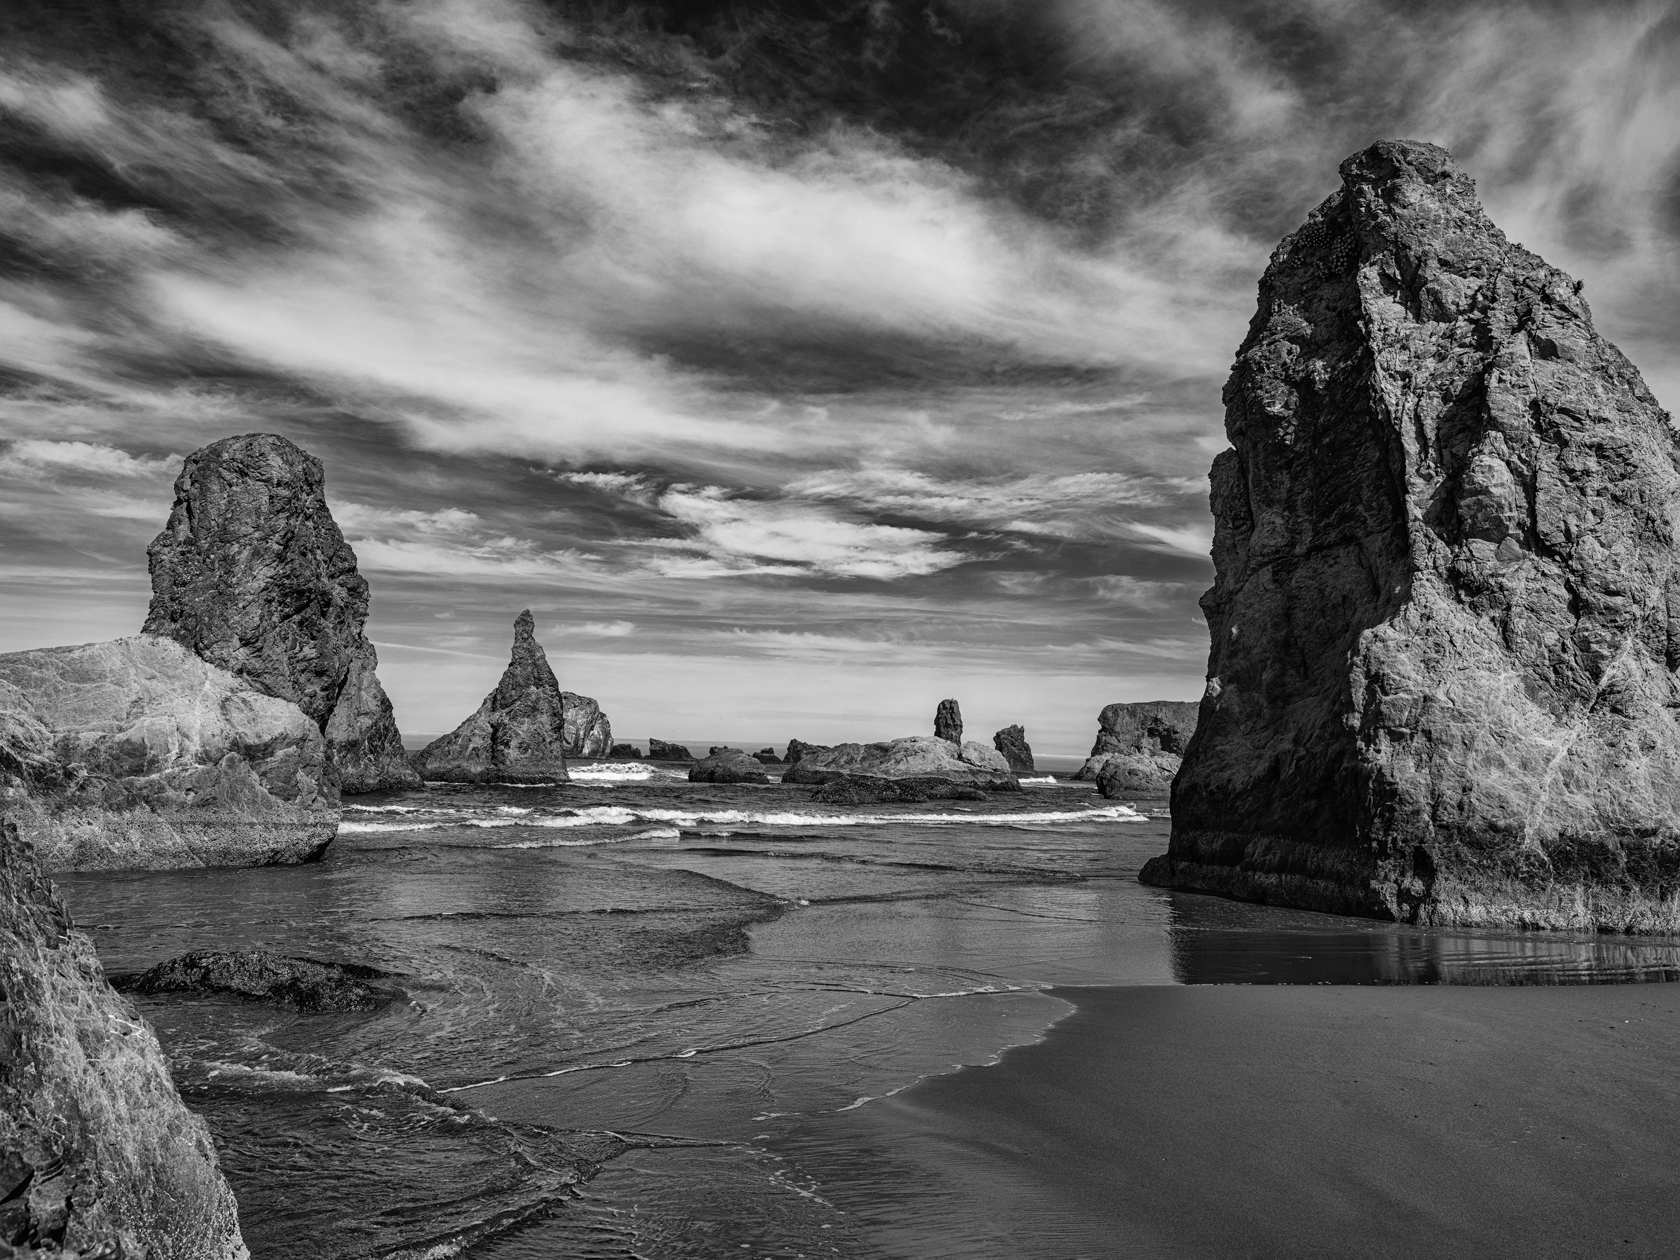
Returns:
(914, 757)
(1012, 746)
(137, 754)
(252, 574)
(1442, 682)
(588, 733)
(98, 1154)
(659, 750)
(517, 735)
(1139, 746)
(625, 750)
(768, 756)
(947, 722)
(728, 765)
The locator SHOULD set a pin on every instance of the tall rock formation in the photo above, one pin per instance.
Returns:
(1011, 742)
(137, 754)
(1446, 614)
(518, 735)
(252, 574)
(1140, 745)
(98, 1155)
(947, 722)
(588, 733)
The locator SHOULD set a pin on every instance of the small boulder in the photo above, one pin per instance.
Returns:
(659, 750)
(727, 765)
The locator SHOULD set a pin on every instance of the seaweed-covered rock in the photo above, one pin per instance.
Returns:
(1153, 731)
(915, 757)
(252, 574)
(728, 765)
(588, 733)
(1012, 746)
(303, 984)
(99, 1157)
(517, 735)
(137, 754)
(863, 789)
(1444, 624)
(659, 750)
(947, 722)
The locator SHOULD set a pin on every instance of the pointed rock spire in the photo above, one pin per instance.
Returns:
(518, 735)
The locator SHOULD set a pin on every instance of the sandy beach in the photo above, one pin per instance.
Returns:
(1242, 1121)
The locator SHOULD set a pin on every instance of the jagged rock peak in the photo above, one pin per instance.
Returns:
(1441, 678)
(517, 735)
(252, 574)
(947, 722)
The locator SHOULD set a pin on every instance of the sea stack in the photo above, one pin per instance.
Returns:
(1139, 746)
(947, 722)
(252, 574)
(518, 735)
(588, 732)
(1011, 743)
(1442, 680)
(98, 1154)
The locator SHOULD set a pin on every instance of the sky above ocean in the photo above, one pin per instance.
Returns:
(798, 364)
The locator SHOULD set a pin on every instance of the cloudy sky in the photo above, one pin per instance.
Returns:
(797, 363)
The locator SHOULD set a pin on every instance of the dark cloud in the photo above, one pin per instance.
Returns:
(788, 358)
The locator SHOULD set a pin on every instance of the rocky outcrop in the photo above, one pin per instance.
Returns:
(1012, 746)
(625, 750)
(517, 735)
(1145, 740)
(947, 722)
(659, 750)
(768, 756)
(728, 765)
(862, 789)
(916, 757)
(1446, 614)
(137, 754)
(302, 984)
(98, 1155)
(252, 574)
(588, 733)
(798, 748)
(1126, 775)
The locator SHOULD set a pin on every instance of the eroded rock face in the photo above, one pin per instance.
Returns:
(588, 733)
(947, 722)
(917, 757)
(252, 574)
(1146, 739)
(518, 734)
(1442, 684)
(136, 754)
(1012, 746)
(728, 765)
(98, 1155)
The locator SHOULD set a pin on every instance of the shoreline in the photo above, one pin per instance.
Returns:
(1284, 1121)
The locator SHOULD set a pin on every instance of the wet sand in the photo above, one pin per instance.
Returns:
(1241, 1121)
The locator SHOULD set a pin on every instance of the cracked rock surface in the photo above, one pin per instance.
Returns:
(99, 1157)
(1445, 619)
(251, 573)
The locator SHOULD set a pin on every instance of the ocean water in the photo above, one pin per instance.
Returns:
(621, 1000)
